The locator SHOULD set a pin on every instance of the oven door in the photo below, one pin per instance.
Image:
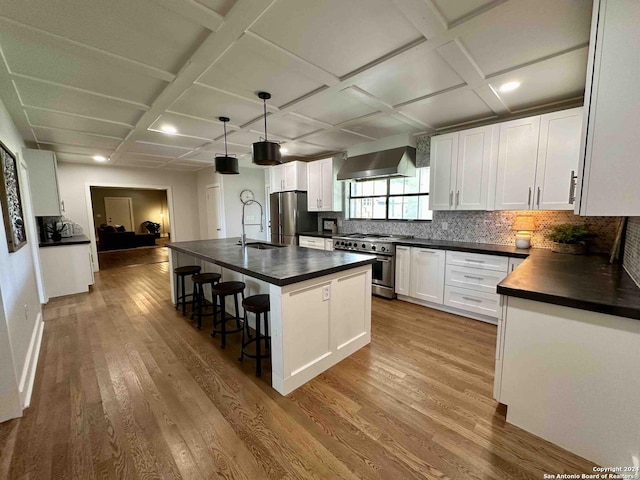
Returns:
(383, 271)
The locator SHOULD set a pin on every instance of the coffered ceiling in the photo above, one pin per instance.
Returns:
(90, 77)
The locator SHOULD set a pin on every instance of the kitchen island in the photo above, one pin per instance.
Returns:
(320, 300)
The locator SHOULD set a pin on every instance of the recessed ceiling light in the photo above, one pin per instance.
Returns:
(284, 150)
(168, 129)
(99, 158)
(509, 86)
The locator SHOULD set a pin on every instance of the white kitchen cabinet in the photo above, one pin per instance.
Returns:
(444, 163)
(403, 270)
(66, 269)
(558, 159)
(43, 177)
(288, 177)
(610, 142)
(427, 274)
(515, 263)
(517, 157)
(324, 190)
(311, 242)
(328, 244)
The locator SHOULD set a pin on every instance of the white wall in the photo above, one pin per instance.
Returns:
(232, 185)
(20, 313)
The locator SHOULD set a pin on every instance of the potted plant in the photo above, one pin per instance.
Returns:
(568, 238)
(55, 230)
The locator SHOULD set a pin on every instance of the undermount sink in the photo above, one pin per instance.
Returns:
(263, 246)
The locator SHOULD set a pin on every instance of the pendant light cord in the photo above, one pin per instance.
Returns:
(224, 124)
(264, 102)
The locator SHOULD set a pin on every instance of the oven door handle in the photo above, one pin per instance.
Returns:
(387, 260)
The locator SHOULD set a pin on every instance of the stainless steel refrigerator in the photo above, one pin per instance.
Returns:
(289, 217)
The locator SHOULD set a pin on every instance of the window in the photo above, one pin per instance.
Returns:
(401, 198)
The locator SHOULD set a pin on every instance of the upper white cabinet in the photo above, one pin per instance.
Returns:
(444, 161)
(43, 177)
(289, 176)
(611, 170)
(538, 160)
(324, 191)
(517, 157)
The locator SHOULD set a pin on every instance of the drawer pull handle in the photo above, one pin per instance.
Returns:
(472, 299)
(473, 260)
(473, 278)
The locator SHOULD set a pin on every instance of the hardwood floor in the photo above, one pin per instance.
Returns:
(132, 257)
(128, 388)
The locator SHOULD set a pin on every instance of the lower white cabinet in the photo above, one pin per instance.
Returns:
(473, 301)
(427, 274)
(403, 270)
(66, 269)
(318, 243)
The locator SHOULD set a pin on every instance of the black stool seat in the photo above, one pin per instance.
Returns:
(199, 303)
(260, 305)
(181, 273)
(219, 292)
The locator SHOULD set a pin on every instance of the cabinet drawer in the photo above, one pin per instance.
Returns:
(473, 278)
(472, 301)
(312, 242)
(477, 260)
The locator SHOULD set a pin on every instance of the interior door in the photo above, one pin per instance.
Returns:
(119, 211)
(444, 160)
(215, 224)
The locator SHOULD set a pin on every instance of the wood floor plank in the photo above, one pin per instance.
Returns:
(127, 388)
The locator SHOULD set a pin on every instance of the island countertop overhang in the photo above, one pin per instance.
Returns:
(279, 266)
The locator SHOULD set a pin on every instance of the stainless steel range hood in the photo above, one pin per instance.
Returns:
(396, 162)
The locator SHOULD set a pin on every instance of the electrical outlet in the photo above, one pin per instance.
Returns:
(326, 293)
(445, 226)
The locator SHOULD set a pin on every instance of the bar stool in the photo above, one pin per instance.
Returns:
(258, 304)
(220, 291)
(198, 303)
(181, 273)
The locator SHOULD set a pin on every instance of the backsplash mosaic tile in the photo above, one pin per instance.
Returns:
(485, 227)
(632, 249)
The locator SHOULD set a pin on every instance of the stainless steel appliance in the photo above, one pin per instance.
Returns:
(289, 217)
(383, 276)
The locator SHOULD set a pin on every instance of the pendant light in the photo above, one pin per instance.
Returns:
(266, 152)
(226, 165)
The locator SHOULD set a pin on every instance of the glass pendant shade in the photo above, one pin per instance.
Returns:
(226, 165)
(266, 152)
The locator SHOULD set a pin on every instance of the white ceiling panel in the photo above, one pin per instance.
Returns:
(144, 158)
(35, 54)
(45, 118)
(302, 148)
(381, 126)
(554, 80)
(336, 35)
(249, 67)
(217, 148)
(335, 108)
(86, 151)
(181, 168)
(289, 126)
(67, 137)
(219, 6)
(199, 101)
(409, 77)
(251, 137)
(336, 140)
(52, 97)
(521, 31)
(140, 30)
(158, 150)
(170, 140)
(456, 107)
(77, 158)
(452, 11)
(188, 126)
(129, 162)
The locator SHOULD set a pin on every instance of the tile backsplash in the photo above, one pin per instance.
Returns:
(487, 227)
(632, 249)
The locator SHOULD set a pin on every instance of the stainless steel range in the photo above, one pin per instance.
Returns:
(384, 270)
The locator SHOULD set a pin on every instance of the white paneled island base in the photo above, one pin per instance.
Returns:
(314, 323)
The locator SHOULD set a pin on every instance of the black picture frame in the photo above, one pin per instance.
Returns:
(11, 200)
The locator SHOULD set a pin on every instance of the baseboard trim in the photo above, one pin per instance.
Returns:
(28, 376)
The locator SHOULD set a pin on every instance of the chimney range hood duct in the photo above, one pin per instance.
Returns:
(396, 162)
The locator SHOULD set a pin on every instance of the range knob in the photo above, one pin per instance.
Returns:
(364, 246)
(383, 249)
(373, 247)
(349, 244)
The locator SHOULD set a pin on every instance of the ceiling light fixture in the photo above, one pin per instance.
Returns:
(284, 150)
(169, 129)
(226, 165)
(99, 158)
(266, 152)
(509, 86)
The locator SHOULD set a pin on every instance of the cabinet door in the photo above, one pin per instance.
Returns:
(290, 176)
(403, 270)
(327, 186)
(475, 151)
(277, 178)
(558, 158)
(444, 158)
(314, 185)
(427, 274)
(517, 155)
(43, 177)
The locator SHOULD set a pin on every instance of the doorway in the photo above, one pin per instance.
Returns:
(215, 219)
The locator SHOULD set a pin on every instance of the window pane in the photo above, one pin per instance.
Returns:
(395, 207)
(379, 187)
(356, 208)
(410, 211)
(423, 209)
(379, 209)
(396, 186)
(424, 176)
(355, 189)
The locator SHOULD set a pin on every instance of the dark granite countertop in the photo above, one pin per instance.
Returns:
(587, 282)
(488, 248)
(319, 234)
(75, 240)
(279, 266)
